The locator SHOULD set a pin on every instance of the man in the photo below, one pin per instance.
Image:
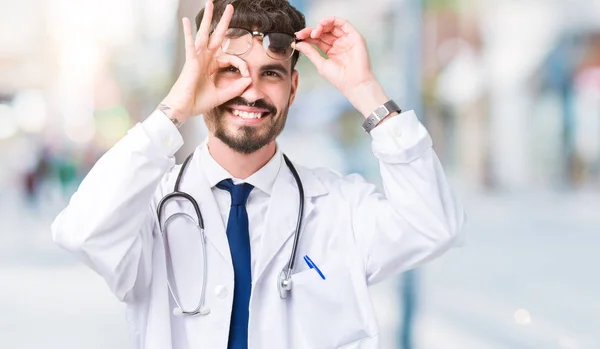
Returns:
(227, 290)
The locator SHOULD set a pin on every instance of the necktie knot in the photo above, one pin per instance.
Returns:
(239, 193)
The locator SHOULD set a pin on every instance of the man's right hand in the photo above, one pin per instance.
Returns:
(195, 92)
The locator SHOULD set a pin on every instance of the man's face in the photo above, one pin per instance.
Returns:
(255, 118)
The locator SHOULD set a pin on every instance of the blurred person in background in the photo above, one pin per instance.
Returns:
(587, 113)
(184, 289)
(35, 177)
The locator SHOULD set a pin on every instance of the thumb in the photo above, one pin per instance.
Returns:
(311, 52)
(234, 89)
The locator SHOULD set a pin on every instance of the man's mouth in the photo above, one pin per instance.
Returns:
(249, 113)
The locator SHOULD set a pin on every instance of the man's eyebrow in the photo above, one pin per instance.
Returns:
(275, 66)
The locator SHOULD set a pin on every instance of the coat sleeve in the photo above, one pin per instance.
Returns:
(108, 222)
(418, 218)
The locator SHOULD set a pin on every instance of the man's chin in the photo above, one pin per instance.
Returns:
(242, 143)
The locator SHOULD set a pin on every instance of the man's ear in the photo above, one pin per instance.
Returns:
(294, 87)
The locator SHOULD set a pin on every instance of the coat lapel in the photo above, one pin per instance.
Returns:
(282, 214)
(157, 334)
(196, 184)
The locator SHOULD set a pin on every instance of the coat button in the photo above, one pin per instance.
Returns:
(221, 291)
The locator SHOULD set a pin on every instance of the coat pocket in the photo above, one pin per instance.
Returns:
(330, 313)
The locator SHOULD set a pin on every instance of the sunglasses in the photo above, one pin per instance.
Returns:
(279, 46)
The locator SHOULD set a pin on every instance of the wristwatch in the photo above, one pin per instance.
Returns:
(379, 114)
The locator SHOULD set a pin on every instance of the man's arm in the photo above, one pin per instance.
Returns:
(418, 218)
(110, 219)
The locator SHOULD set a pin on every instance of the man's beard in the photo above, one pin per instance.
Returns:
(246, 139)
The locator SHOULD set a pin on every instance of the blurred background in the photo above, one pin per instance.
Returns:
(509, 90)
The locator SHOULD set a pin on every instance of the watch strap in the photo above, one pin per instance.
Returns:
(379, 114)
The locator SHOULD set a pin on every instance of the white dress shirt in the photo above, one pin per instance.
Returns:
(258, 201)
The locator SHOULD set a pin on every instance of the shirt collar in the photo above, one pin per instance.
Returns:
(262, 179)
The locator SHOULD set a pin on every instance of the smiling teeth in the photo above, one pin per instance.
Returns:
(246, 115)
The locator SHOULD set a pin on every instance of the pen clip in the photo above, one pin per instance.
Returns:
(312, 265)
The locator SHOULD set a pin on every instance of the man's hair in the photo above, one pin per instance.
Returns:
(260, 15)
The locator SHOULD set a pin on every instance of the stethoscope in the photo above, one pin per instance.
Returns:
(284, 282)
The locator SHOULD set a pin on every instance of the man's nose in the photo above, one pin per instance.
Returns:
(253, 92)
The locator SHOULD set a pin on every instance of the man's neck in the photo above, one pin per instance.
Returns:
(239, 165)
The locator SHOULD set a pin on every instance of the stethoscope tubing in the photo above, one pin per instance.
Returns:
(284, 281)
(290, 265)
(200, 308)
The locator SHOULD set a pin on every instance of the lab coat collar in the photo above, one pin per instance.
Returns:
(262, 179)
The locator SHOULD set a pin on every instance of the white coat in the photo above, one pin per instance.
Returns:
(355, 235)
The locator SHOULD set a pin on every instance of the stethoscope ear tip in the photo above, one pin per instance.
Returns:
(177, 311)
(204, 311)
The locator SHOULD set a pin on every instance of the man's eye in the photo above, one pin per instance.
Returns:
(232, 69)
(272, 73)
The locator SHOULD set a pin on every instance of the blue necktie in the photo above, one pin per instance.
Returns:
(239, 245)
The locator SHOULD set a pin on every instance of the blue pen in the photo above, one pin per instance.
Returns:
(312, 265)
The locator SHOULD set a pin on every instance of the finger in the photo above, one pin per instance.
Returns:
(188, 38)
(226, 60)
(203, 31)
(330, 24)
(313, 55)
(319, 32)
(232, 90)
(218, 35)
(304, 33)
(323, 46)
(337, 32)
(327, 38)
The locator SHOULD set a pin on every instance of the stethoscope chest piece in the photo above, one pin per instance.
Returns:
(284, 284)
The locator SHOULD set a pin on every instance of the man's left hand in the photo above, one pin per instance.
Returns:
(347, 65)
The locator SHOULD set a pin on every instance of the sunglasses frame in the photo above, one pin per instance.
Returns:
(253, 34)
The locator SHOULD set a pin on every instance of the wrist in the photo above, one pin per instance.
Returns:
(367, 97)
(172, 113)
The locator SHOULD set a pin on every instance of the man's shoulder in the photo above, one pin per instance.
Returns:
(331, 178)
(167, 183)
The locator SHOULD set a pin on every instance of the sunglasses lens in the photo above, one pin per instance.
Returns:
(278, 45)
(237, 41)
